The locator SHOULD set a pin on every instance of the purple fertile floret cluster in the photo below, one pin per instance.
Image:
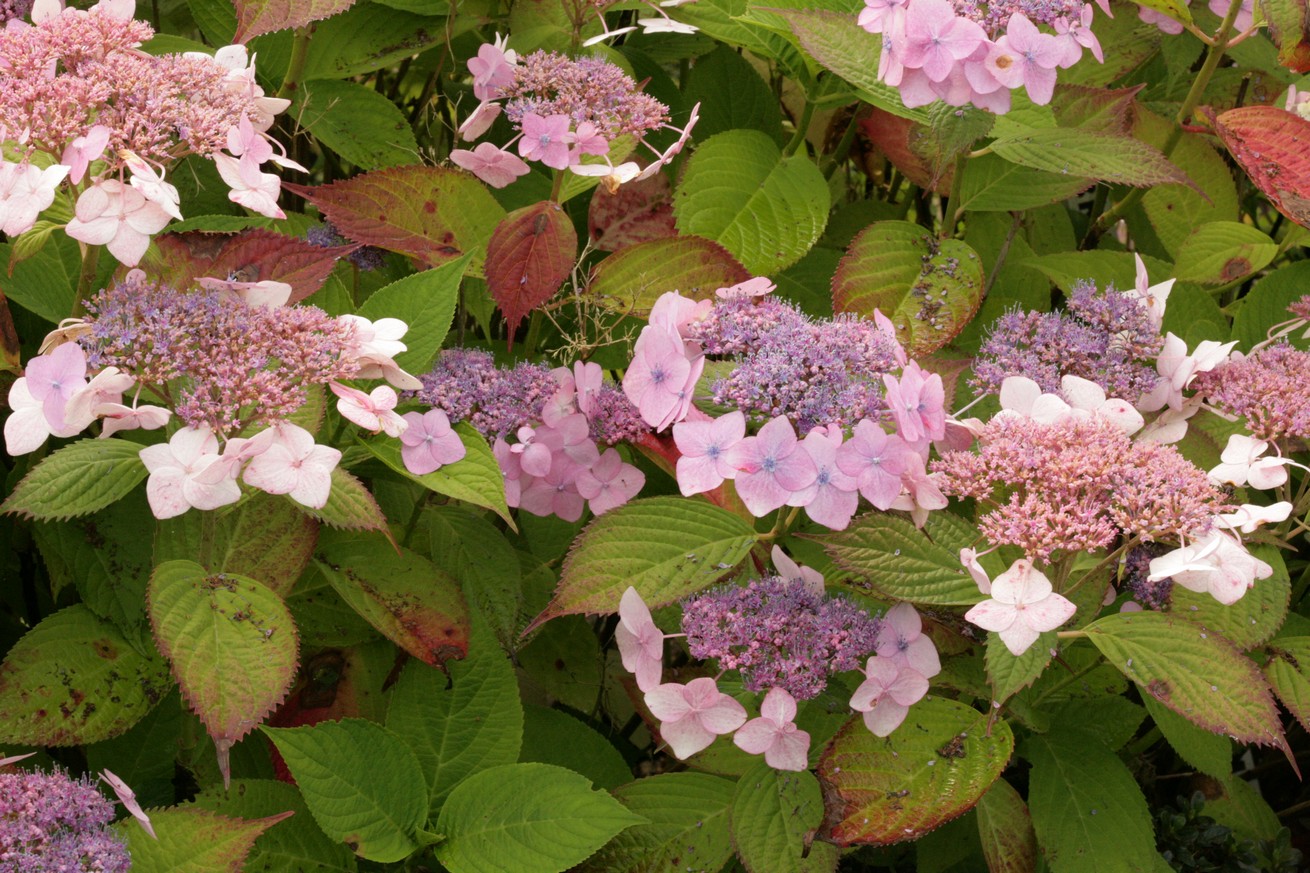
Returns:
(50, 822)
(1137, 567)
(779, 634)
(240, 364)
(467, 385)
(1103, 336)
(814, 372)
(586, 90)
(1270, 389)
(365, 258)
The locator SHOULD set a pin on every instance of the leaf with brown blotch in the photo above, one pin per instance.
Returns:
(529, 256)
(250, 256)
(637, 212)
(435, 214)
(1270, 144)
(255, 17)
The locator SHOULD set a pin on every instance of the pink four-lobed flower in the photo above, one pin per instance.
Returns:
(704, 464)
(692, 715)
(886, 695)
(641, 643)
(429, 443)
(1023, 605)
(771, 466)
(775, 735)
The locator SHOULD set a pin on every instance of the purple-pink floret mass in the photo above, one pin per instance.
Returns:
(779, 634)
(1270, 389)
(50, 822)
(467, 385)
(1103, 336)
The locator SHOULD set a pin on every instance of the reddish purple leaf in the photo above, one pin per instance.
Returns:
(265, 16)
(249, 256)
(1270, 144)
(894, 137)
(434, 214)
(637, 212)
(529, 256)
(1288, 22)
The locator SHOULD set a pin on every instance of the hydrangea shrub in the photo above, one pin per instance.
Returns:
(670, 436)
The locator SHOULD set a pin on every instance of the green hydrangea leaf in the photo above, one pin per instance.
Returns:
(77, 480)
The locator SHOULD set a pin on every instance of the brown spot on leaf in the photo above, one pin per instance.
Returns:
(429, 206)
(1235, 268)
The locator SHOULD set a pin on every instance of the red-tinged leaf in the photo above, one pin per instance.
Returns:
(434, 214)
(401, 593)
(1108, 110)
(333, 684)
(1273, 146)
(893, 136)
(929, 288)
(193, 839)
(637, 212)
(1091, 154)
(529, 256)
(1006, 830)
(1288, 22)
(931, 769)
(232, 644)
(265, 16)
(632, 280)
(249, 256)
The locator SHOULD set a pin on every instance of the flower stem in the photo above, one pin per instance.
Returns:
(86, 278)
(802, 128)
(1214, 54)
(296, 66)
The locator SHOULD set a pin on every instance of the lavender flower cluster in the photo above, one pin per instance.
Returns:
(1270, 389)
(1104, 336)
(50, 822)
(366, 259)
(467, 385)
(238, 364)
(814, 372)
(779, 634)
(587, 90)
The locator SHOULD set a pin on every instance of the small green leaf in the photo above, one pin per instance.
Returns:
(1175, 9)
(1090, 154)
(356, 122)
(1006, 830)
(529, 818)
(1266, 304)
(633, 278)
(831, 38)
(426, 302)
(264, 537)
(740, 191)
(231, 641)
(889, 557)
(475, 479)
(295, 844)
(931, 769)
(1197, 674)
(1288, 671)
(1212, 754)
(192, 840)
(1010, 674)
(473, 552)
(369, 37)
(1220, 252)
(350, 506)
(1083, 799)
(686, 824)
(665, 547)
(553, 736)
(929, 288)
(774, 814)
(363, 785)
(993, 184)
(75, 679)
(46, 282)
(78, 479)
(399, 592)
(460, 724)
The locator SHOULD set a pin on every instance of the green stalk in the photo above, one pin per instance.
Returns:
(296, 66)
(802, 128)
(86, 279)
(1214, 54)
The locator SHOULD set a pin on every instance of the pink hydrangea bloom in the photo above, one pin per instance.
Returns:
(832, 498)
(428, 444)
(1218, 565)
(902, 642)
(661, 379)
(609, 482)
(877, 461)
(796, 574)
(187, 472)
(293, 464)
(1024, 56)
(492, 68)
(118, 217)
(917, 403)
(555, 493)
(886, 695)
(1023, 605)
(375, 411)
(936, 38)
(775, 735)
(546, 139)
(491, 164)
(1243, 462)
(771, 467)
(641, 643)
(692, 715)
(704, 464)
(251, 186)
(26, 191)
(55, 378)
